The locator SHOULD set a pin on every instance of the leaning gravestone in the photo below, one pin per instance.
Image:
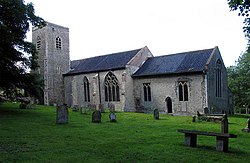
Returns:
(62, 114)
(247, 129)
(112, 117)
(156, 114)
(96, 116)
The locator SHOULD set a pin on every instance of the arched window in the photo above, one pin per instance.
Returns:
(86, 89)
(58, 43)
(218, 78)
(147, 91)
(112, 91)
(38, 43)
(183, 91)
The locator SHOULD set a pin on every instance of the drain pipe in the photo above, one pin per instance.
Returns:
(99, 87)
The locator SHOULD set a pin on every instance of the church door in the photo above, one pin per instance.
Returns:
(169, 105)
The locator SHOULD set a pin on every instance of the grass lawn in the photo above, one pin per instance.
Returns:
(32, 135)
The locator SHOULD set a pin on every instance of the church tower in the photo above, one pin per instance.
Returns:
(52, 43)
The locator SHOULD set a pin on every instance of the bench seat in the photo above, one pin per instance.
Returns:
(221, 138)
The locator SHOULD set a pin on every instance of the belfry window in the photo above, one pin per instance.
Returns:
(183, 91)
(112, 90)
(58, 43)
(38, 43)
(218, 78)
(86, 89)
(147, 91)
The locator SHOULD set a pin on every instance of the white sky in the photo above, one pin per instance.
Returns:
(99, 27)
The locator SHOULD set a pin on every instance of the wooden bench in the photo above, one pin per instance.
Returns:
(221, 138)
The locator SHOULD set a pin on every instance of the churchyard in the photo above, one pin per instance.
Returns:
(32, 135)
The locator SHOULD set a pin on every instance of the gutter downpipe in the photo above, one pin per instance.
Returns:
(99, 87)
(206, 90)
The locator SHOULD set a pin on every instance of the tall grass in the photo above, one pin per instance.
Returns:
(32, 135)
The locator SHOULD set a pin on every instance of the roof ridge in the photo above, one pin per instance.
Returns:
(181, 53)
(105, 55)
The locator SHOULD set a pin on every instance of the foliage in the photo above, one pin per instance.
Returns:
(17, 56)
(135, 137)
(238, 81)
(243, 6)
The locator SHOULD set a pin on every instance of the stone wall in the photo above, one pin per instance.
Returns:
(75, 94)
(163, 87)
(217, 104)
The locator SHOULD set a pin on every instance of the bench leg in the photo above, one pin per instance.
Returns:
(222, 144)
(190, 140)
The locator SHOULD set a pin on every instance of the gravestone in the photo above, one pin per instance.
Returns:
(247, 129)
(111, 107)
(206, 111)
(75, 108)
(96, 116)
(93, 107)
(156, 114)
(193, 118)
(62, 114)
(83, 110)
(101, 108)
(112, 117)
(224, 124)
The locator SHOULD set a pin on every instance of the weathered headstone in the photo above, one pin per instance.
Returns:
(112, 117)
(83, 110)
(193, 118)
(156, 114)
(93, 107)
(96, 116)
(75, 108)
(206, 111)
(224, 124)
(101, 108)
(62, 114)
(111, 107)
(247, 128)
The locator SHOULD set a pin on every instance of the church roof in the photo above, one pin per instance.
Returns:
(186, 62)
(102, 63)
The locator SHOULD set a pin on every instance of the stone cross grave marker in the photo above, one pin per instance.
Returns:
(96, 116)
(156, 114)
(62, 114)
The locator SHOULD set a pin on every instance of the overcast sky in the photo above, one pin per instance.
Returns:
(99, 27)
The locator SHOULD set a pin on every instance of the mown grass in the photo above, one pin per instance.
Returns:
(33, 136)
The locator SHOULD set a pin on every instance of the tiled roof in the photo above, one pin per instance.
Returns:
(102, 63)
(186, 62)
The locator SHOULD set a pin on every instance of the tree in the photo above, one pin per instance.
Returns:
(243, 6)
(238, 80)
(18, 56)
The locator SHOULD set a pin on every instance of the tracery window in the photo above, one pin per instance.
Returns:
(112, 91)
(58, 43)
(147, 91)
(38, 43)
(86, 89)
(183, 91)
(218, 78)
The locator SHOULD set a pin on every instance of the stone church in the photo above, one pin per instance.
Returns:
(133, 80)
